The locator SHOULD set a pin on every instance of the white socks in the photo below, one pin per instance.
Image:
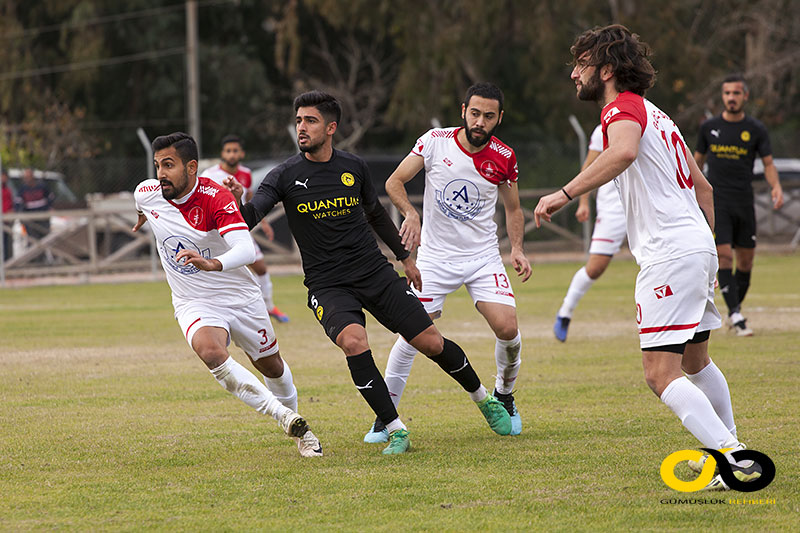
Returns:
(697, 414)
(283, 388)
(398, 367)
(581, 282)
(265, 282)
(712, 382)
(479, 395)
(394, 425)
(240, 382)
(507, 357)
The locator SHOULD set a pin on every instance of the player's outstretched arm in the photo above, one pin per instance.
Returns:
(623, 148)
(410, 229)
(515, 227)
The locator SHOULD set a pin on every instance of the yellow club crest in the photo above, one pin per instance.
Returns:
(745, 135)
(348, 179)
(319, 312)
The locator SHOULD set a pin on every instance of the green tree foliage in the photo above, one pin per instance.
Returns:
(394, 66)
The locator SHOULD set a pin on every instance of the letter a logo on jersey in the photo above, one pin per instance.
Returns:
(230, 208)
(662, 292)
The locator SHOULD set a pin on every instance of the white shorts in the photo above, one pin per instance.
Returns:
(248, 326)
(485, 278)
(675, 300)
(609, 232)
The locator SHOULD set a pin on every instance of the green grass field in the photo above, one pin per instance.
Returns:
(110, 422)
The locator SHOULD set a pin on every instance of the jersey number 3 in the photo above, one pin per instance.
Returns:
(677, 148)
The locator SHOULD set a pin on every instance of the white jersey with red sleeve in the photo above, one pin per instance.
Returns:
(608, 204)
(460, 195)
(243, 175)
(663, 217)
(197, 223)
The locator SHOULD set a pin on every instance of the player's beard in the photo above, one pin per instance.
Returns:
(593, 90)
(311, 148)
(475, 141)
(173, 190)
(731, 107)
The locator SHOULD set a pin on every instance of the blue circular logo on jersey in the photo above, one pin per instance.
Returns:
(460, 199)
(172, 245)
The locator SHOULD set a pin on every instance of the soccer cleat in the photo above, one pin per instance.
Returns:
(560, 327)
(293, 424)
(496, 415)
(308, 445)
(698, 465)
(744, 474)
(738, 323)
(377, 433)
(508, 402)
(278, 315)
(399, 442)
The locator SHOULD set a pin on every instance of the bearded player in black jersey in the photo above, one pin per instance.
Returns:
(330, 202)
(730, 143)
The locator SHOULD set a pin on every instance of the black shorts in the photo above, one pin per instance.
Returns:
(385, 295)
(735, 225)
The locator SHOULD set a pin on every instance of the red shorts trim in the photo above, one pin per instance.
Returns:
(656, 329)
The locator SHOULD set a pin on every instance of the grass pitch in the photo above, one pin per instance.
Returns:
(110, 422)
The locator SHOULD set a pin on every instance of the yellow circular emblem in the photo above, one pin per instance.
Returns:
(319, 313)
(348, 179)
(745, 135)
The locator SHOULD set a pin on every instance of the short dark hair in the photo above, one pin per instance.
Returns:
(326, 104)
(737, 77)
(231, 139)
(485, 90)
(184, 144)
(615, 45)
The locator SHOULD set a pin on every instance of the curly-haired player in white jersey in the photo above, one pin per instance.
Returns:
(466, 168)
(204, 245)
(231, 156)
(669, 209)
(607, 238)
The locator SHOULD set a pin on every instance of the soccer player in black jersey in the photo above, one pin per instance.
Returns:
(330, 203)
(730, 143)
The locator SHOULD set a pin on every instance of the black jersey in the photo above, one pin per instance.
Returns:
(732, 149)
(329, 206)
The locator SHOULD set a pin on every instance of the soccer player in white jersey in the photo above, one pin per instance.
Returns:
(669, 213)
(607, 237)
(231, 156)
(204, 245)
(466, 169)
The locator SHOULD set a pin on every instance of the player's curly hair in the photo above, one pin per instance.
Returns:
(184, 144)
(485, 90)
(615, 45)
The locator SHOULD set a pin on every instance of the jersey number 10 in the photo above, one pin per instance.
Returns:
(677, 147)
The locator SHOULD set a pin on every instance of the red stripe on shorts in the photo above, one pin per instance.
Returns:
(604, 240)
(190, 327)
(658, 329)
(426, 299)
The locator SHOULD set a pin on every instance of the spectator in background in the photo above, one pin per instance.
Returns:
(34, 196)
(8, 205)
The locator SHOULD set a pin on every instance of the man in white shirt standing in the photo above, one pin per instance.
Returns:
(231, 156)
(466, 169)
(607, 238)
(204, 245)
(669, 209)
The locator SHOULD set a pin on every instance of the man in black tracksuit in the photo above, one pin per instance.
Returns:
(730, 143)
(330, 202)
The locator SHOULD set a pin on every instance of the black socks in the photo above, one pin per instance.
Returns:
(370, 384)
